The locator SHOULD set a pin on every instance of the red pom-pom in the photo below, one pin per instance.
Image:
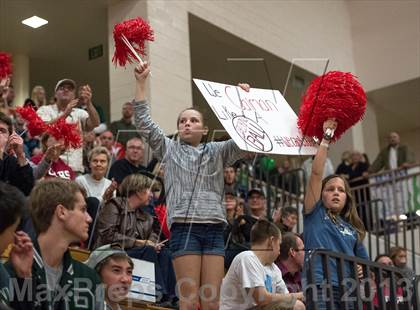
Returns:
(36, 126)
(137, 31)
(334, 95)
(66, 131)
(5, 65)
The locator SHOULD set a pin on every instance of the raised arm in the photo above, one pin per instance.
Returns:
(148, 129)
(313, 190)
(141, 72)
(86, 97)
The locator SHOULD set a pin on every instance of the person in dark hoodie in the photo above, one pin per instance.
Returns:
(11, 207)
(14, 167)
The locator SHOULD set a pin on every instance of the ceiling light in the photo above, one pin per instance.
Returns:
(35, 22)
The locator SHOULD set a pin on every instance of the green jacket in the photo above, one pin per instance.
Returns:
(128, 132)
(382, 161)
(79, 287)
(4, 286)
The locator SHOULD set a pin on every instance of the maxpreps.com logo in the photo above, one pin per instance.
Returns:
(80, 293)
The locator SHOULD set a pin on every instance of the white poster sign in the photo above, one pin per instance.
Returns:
(258, 121)
(143, 285)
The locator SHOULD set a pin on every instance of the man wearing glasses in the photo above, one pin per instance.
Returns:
(290, 261)
(67, 106)
(132, 163)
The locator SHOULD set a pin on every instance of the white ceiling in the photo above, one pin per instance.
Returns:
(70, 24)
(397, 107)
(60, 48)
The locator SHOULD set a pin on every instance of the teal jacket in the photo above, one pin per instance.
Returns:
(79, 287)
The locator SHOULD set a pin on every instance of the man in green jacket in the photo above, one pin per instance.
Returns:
(56, 280)
(394, 156)
(124, 129)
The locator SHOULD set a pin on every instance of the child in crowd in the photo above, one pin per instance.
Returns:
(330, 220)
(253, 280)
(115, 269)
(194, 184)
(51, 151)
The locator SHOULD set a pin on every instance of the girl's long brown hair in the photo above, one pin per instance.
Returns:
(349, 212)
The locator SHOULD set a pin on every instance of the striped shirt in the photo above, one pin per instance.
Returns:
(193, 175)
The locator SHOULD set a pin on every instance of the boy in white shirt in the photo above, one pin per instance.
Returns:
(253, 280)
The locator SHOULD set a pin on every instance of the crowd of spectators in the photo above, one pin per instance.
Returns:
(104, 197)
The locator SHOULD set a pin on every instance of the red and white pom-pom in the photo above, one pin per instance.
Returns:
(68, 132)
(5, 65)
(334, 95)
(137, 31)
(36, 126)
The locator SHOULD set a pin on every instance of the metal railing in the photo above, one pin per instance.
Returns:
(380, 287)
(390, 210)
(374, 202)
(399, 189)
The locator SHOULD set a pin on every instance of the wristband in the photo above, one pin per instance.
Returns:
(324, 144)
(328, 134)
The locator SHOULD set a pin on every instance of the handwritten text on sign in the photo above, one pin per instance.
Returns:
(258, 121)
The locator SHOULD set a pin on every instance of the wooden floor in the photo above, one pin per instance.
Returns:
(135, 305)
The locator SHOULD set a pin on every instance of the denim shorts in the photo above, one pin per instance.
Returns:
(198, 239)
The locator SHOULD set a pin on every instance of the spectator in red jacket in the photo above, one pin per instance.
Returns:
(51, 150)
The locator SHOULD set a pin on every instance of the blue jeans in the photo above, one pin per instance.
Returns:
(197, 239)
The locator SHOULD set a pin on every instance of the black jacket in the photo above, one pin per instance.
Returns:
(13, 174)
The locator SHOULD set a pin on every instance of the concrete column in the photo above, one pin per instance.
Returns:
(121, 80)
(358, 139)
(370, 133)
(20, 79)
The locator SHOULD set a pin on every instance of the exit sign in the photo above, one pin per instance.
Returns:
(96, 52)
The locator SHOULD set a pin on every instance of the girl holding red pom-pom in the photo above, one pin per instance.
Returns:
(194, 183)
(330, 220)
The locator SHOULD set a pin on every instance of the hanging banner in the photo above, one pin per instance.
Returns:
(259, 121)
